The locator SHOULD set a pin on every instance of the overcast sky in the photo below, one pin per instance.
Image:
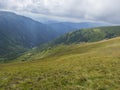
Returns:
(74, 10)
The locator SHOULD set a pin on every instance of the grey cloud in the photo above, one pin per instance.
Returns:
(94, 10)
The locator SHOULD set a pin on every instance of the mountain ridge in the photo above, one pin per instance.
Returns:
(20, 33)
(65, 27)
(89, 35)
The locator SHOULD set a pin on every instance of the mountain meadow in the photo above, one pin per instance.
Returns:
(87, 66)
(58, 56)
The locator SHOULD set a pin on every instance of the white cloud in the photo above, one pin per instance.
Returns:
(95, 10)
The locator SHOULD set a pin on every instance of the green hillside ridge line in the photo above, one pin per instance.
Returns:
(60, 50)
(89, 35)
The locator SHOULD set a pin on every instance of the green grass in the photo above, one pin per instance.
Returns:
(87, 66)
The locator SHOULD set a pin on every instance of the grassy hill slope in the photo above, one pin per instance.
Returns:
(88, 66)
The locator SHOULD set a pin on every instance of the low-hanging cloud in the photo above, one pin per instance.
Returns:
(94, 10)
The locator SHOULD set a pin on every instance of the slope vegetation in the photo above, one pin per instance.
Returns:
(89, 35)
(87, 66)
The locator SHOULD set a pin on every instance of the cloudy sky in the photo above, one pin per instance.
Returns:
(69, 10)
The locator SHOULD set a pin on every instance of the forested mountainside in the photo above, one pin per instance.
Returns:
(89, 35)
(18, 33)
